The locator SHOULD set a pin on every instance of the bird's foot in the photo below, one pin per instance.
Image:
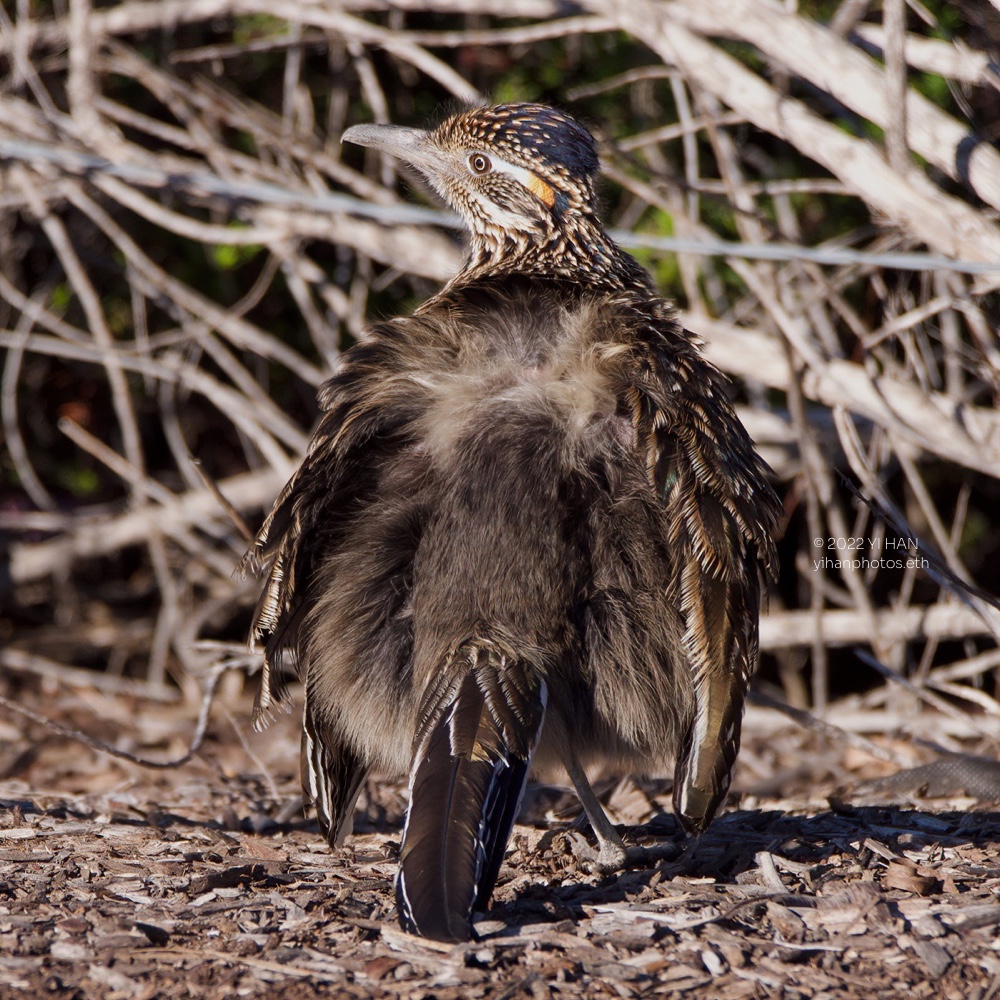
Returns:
(610, 856)
(614, 856)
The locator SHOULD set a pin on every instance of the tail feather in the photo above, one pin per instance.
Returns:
(480, 727)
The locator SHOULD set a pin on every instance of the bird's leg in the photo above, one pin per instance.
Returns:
(612, 855)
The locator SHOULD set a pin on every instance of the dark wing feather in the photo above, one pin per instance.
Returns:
(274, 550)
(479, 727)
(721, 518)
(309, 503)
(332, 775)
(307, 519)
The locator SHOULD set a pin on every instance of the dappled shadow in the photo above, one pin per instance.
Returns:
(823, 845)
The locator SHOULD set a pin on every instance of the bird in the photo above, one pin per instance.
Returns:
(529, 530)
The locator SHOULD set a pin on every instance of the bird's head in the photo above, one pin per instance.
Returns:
(516, 173)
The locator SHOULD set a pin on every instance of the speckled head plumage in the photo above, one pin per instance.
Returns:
(522, 176)
(558, 151)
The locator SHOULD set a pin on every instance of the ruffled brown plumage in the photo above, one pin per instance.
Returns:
(530, 527)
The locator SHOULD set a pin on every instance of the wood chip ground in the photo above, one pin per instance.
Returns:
(120, 882)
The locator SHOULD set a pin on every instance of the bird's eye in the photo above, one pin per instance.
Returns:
(480, 164)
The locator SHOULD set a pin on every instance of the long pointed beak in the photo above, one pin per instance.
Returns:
(411, 145)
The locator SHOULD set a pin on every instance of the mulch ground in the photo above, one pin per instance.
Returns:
(205, 881)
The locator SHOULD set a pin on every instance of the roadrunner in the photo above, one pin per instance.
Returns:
(529, 528)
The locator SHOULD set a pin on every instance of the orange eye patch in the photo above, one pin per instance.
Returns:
(542, 191)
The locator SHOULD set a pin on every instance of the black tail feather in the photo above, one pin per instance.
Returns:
(468, 776)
